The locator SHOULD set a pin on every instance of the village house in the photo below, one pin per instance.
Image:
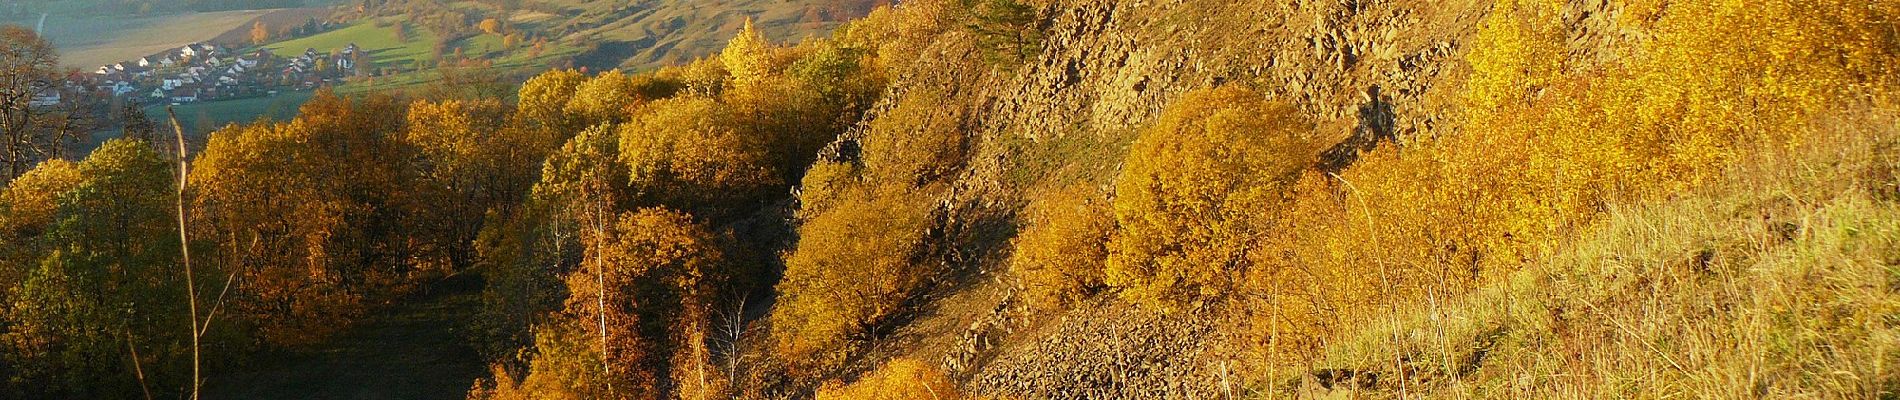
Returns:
(205, 72)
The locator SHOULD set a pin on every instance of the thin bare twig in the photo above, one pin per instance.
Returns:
(138, 367)
(184, 245)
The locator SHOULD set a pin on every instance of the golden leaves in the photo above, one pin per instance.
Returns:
(1059, 256)
(1195, 188)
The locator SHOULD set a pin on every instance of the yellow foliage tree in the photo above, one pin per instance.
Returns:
(853, 266)
(748, 56)
(690, 152)
(491, 26)
(611, 97)
(1195, 188)
(640, 294)
(315, 216)
(28, 208)
(1059, 256)
(901, 379)
(28, 203)
(544, 98)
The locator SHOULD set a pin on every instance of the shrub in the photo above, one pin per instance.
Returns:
(1195, 188)
(901, 379)
(854, 266)
(1059, 256)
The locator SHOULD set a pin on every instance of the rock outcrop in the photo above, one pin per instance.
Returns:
(1372, 72)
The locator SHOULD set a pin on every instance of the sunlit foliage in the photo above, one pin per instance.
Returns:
(901, 379)
(103, 281)
(314, 216)
(690, 151)
(853, 267)
(28, 207)
(748, 57)
(1060, 253)
(1544, 144)
(1197, 187)
(543, 101)
(613, 95)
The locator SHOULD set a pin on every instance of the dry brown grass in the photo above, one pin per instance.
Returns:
(1781, 281)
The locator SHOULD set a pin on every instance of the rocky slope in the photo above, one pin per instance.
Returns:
(1370, 70)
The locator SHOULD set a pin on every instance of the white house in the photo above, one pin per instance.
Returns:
(122, 88)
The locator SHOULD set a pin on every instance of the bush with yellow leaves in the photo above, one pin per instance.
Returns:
(1059, 256)
(901, 379)
(854, 266)
(1544, 143)
(1195, 189)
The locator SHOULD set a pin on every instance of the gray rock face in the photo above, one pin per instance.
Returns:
(1372, 72)
(1107, 351)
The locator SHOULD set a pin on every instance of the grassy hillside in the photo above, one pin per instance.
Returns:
(88, 42)
(1783, 281)
(385, 47)
(647, 34)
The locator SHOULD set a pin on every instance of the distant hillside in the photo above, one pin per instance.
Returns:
(87, 42)
(643, 35)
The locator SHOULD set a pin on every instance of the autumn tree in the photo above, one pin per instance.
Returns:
(900, 379)
(543, 101)
(524, 253)
(633, 325)
(28, 209)
(690, 152)
(491, 26)
(103, 289)
(260, 33)
(854, 266)
(1059, 255)
(29, 68)
(481, 164)
(611, 96)
(748, 56)
(1195, 189)
(317, 216)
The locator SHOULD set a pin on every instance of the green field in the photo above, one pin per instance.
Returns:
(384, 47)
(209, 116)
